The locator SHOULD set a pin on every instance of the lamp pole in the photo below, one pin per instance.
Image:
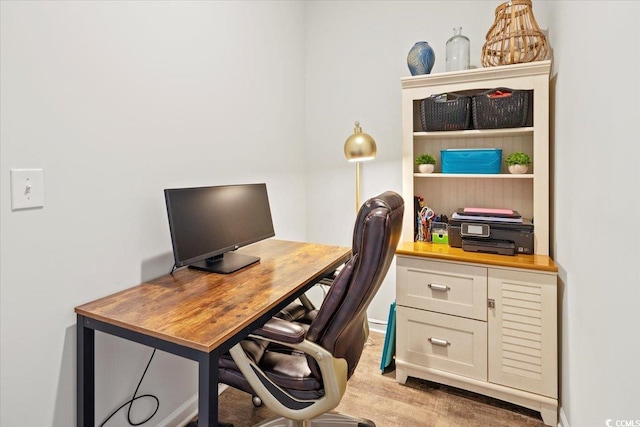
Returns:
(357, 187)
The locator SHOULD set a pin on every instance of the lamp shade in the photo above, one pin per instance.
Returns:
(360, 146)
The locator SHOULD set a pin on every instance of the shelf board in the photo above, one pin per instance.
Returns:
(474, 175)
(481, 75)
(446, 252)
(474, 133)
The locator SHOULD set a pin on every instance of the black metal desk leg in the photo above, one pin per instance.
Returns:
(85, 375)
(208, 389)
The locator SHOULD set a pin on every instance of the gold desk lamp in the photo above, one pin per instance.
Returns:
(359, 147)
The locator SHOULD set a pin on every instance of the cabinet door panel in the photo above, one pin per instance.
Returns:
(455, 289)
(523, 331)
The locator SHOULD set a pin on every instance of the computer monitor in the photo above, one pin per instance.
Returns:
(208, 224)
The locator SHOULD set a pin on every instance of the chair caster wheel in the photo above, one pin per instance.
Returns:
(257, 402)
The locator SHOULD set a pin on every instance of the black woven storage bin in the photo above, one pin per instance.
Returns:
(508, 111)
(447, 111)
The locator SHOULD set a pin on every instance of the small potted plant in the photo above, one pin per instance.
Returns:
(426, 163)
(518, 162)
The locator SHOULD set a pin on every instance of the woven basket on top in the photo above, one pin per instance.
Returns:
(514, 37)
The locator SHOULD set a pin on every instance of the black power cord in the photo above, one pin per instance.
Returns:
(134, 398)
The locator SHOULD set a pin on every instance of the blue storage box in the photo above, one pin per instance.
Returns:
(472, 160)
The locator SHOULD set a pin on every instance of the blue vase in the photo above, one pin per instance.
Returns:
(421, 59)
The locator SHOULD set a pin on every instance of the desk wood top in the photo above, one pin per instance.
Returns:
(203, 310)
(446, 252)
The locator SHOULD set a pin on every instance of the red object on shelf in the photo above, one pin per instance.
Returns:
(499, 94)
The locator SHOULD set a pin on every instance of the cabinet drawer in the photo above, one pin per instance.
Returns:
(443, 342)
(442, 287)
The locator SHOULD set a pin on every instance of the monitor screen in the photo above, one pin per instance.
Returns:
(208, 223)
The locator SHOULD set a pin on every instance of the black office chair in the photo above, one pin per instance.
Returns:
(300, 371)
(303, 310)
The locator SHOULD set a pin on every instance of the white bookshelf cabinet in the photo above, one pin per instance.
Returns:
(527, 193)
(481, 322)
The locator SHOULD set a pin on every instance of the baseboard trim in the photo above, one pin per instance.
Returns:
(378, 325)
(181, 416)
(563, 422)
(187, 411)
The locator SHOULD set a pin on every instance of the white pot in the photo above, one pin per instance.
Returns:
(518, 168)
(426, 168)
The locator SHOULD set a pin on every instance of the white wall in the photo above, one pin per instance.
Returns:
(597, 107)
(117, 101)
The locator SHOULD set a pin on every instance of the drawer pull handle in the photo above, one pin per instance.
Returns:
(438, 341)
(437, 287)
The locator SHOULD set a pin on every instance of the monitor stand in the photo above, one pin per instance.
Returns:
(225, 263)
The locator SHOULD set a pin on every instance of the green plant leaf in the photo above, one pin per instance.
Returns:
(518, 158)
(425, 159)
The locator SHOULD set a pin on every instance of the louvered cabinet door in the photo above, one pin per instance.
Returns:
(522, 330)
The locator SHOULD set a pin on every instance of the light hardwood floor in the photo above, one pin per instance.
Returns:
(376, 396)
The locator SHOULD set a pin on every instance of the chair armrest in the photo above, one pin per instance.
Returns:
(280, 330)
(334, 379)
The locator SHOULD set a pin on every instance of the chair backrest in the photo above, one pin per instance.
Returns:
(339, 324)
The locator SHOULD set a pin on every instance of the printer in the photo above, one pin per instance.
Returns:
(498, 237)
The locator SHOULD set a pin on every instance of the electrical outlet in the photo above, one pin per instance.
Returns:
(27, 188)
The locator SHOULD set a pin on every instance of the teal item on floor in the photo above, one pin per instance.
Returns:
(389, 348)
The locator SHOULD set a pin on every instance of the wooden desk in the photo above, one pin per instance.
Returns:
(200, 315)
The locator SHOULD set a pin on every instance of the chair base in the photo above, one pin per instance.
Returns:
(330, 419)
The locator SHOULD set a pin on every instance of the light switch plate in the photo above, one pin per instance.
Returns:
(27, 188)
